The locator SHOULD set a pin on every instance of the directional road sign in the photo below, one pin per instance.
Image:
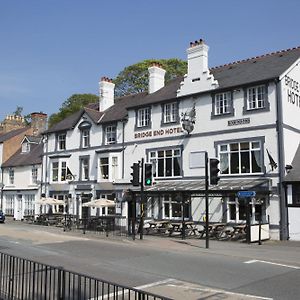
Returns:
(246, 194)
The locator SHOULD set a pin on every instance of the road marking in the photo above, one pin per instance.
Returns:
(222, 292)
(154, 284)
(271, 263)
(126, 291)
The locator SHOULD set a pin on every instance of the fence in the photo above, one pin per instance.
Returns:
(25, 279)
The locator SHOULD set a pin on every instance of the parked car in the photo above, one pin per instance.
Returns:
(2, 216)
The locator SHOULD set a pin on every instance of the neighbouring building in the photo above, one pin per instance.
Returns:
(22, 169)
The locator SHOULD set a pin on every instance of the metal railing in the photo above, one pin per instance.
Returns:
(25, 279)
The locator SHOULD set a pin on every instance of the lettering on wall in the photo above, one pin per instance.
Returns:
(293, 86)
(159, 132)
(239, 122)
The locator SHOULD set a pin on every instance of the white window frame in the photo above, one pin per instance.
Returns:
(85, 138)
(170, 112)
(110, 134)
(169, 207)
(60, 169)
(10, 205)
(222, 103)
(160, 158)
(55, 171)
(143, 117)
(104, 165)
(29, 204)
(11, 176)
(61, 141)
(227, 154)
(25, 147)
(85, 168)
(34, 174)
(114, 167)
(256, 97)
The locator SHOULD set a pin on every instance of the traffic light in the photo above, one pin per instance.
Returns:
(135, 174)
(214, 171)
(148, 174)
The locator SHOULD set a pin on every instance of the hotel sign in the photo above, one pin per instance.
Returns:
(293, 90)
(156, 133)
(239, 122)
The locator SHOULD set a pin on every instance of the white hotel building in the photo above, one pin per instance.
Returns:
(244, 113)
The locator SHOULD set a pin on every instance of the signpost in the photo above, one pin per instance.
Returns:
(247, 195)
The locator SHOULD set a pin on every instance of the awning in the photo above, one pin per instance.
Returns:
(99, 203)
(49, 201)
(198, 186)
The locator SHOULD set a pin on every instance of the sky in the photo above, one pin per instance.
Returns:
(52, 49)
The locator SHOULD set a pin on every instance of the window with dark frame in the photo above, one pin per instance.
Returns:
(222, 103)
(166, 163)
(241, 157)
(256, 97)
(296, 194)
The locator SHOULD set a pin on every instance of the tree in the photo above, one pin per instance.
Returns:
(72, 105)
(134, 79)
(18, 111)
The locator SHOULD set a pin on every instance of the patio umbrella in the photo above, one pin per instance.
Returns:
(49, 201)
(99, 203)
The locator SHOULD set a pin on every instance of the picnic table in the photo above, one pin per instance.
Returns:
(190, 228)
(214, 230)
(157, 226)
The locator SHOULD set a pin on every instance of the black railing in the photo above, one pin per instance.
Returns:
(25, 279)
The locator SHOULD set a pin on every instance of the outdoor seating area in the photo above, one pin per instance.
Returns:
(50, 220)
(219, 231)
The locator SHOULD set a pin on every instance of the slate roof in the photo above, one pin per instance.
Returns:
(256, 69)
(25, 159)
(6, 136)
(294, 174)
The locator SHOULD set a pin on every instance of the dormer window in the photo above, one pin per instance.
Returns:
(143, 117)
(25, 147)
(85, 128)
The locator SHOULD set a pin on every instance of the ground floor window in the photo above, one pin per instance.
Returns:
(9, 205)
(237, 210)
(29, 205)
(296, 194)
(60, 208)
(172, 208)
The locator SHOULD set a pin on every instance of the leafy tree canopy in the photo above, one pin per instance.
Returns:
(134, 79)
(72, 105)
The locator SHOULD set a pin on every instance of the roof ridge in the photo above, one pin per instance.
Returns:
(254, 57)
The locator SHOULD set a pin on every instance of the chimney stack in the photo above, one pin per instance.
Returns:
(38, 123)
(106, 93)
(156, 78)
(197, 55)
(198, 77)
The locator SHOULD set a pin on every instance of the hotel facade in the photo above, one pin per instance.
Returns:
(244, 113)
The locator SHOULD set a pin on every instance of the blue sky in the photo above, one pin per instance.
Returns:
(51, 49)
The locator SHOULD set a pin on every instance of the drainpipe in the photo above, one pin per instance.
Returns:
(284, 230)
(2, 186)
(123, 149)
(46, 165)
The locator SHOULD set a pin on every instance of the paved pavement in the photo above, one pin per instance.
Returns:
(276, 253)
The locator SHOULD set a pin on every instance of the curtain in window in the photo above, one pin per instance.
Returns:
(224, 163)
